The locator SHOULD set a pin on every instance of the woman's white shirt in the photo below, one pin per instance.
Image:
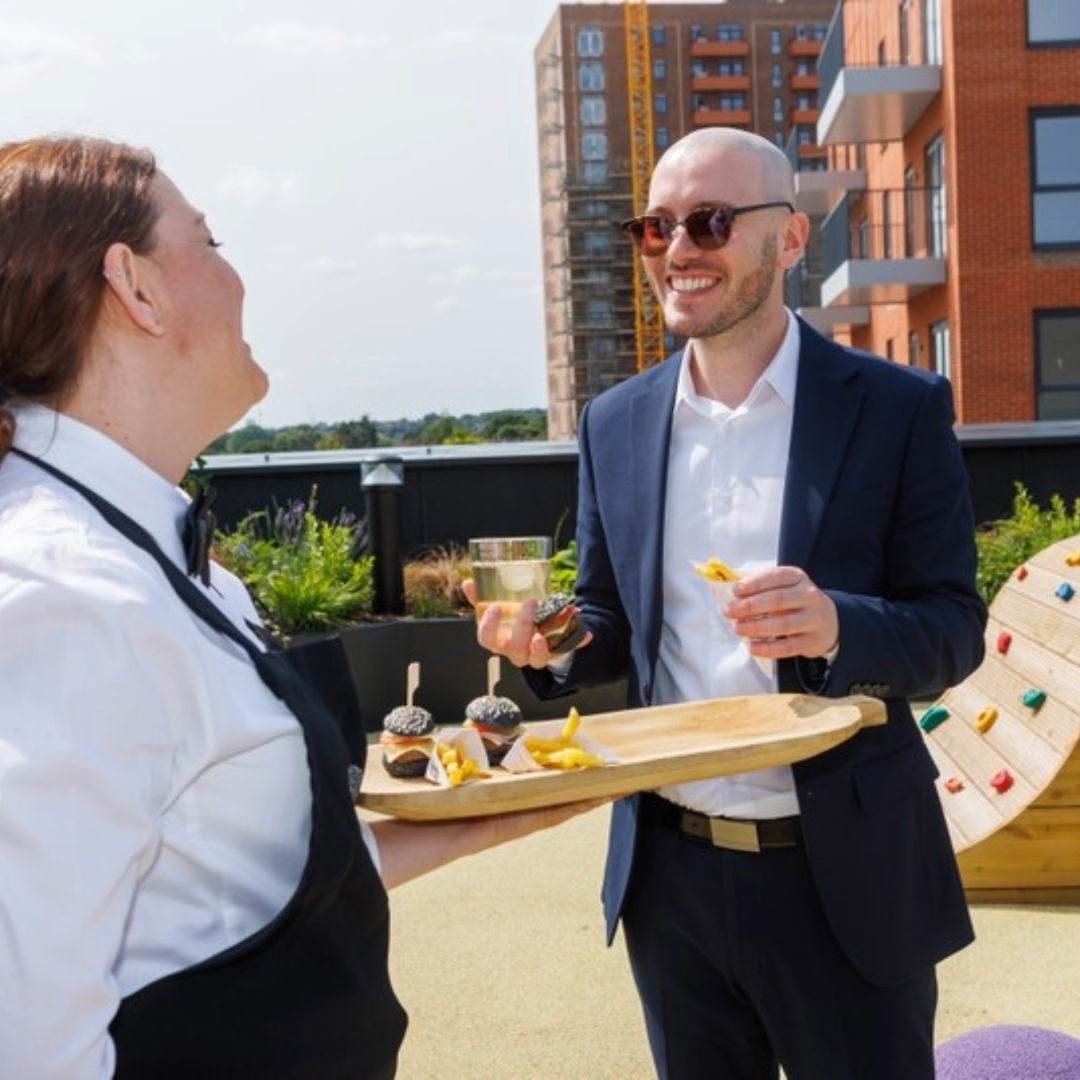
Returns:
(154, 794)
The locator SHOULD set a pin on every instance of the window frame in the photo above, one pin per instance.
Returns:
(1038, 317)
(1046, 43)
(1034, 116)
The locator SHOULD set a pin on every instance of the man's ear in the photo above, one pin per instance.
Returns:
(130, 288)
(794, 240)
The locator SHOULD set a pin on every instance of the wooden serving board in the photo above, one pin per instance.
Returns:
(666, 744)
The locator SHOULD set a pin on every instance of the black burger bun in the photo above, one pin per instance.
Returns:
(497, 721)
(407, 741)
(557, 619)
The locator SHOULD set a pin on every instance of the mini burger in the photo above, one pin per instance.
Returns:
(407, 741)
(497, 720)
(557, 619)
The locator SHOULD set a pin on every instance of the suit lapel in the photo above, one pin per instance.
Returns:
(827, 407)
(649, 443)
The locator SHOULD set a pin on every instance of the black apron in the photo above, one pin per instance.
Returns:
(308, 997)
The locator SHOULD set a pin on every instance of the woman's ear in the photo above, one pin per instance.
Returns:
(130, 287)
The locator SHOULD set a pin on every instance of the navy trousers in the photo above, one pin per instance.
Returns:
(738, 972)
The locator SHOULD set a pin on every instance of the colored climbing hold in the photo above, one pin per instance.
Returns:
(954, 785)
(1073, 558)
(1021, 573)
(1034, 699)
(1065, 592)
(1001, 781)
(1004, 640)
(936, 714)
(985, 720)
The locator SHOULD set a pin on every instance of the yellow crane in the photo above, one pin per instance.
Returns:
(648, 319)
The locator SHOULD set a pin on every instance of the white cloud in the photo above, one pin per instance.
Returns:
(418, 242)
(258, 188)
(446, 303)
(328, 267)
(301, 40)
(26, 47)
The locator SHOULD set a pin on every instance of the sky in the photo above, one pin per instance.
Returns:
(371, 169)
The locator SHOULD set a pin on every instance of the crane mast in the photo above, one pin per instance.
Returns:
(648, 319)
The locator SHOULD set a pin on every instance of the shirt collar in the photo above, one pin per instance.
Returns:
(779, 377)
(108, 469)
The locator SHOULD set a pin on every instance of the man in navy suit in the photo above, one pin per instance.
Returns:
(791, 916)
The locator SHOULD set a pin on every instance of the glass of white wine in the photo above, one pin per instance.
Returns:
(507, 571)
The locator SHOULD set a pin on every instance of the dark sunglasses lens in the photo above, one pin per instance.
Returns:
(709, 229)
(649, 235)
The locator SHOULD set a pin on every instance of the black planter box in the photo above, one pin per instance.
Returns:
(453, 670)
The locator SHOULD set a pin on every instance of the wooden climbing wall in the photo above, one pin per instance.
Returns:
(1006, 741)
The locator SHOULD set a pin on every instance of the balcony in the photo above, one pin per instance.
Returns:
(721, 117)
(883, 247)
(798, 47)
(702, 49)
(863, 103)
(818, 190)
(802, 294)
(720, 82)
(804, 82)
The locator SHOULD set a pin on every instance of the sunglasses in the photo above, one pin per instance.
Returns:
(709, 227)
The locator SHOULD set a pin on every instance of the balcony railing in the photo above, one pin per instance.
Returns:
(882, 246)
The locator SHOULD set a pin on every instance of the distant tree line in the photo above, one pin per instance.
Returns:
(434, 429)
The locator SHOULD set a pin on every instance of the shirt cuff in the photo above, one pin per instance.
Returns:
(560, 667)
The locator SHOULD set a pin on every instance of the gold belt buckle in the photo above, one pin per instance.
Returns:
(734, 835)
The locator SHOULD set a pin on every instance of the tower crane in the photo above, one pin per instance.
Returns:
(648, 319)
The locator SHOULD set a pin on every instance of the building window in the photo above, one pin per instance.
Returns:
(662, 138)
(803, 66)
(732, 102)
(594, 172)
(659, 68)
(729, 32)
(805, 103)
(590, 41)
(597, 242)
(1053, 22)
(660, 103)
(932, 49)
(594, 146)
(659, 35)
(821, 31)
(1055, 188)
(934, 170)
(774, 42)
(777, 76)
(697, 32)
(1057, 355)
(727, 68)
(778, 109)
(600, 311)
(590, 76)
(939, 348)
(697, 68)
(913, 348)
(595, 208)
(593, 112)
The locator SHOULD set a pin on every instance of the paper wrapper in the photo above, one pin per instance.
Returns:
(520, 760)
(721, 592)
(471, 746)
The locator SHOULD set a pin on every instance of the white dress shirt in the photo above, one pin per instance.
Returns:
(725, 492)
(154, 794)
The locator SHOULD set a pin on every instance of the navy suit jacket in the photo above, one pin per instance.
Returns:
(876, 511)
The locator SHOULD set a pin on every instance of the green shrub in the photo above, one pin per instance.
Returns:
(564, 569)
(1004, 544)
(303, 572)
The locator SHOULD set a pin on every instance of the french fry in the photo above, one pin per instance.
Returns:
(714, 569)
(458, 767)
(563, 752)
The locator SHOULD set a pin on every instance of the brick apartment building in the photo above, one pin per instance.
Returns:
(942, 175)
(744, 63)
(952, 235)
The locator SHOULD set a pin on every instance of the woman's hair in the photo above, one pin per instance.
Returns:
(63, 201)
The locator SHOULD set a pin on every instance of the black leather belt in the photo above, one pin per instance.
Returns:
(738, 834)
(731, 834)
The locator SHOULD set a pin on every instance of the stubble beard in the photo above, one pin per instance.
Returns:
(751, 296)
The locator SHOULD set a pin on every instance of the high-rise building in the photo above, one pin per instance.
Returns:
(601, 82)
(952, 196)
